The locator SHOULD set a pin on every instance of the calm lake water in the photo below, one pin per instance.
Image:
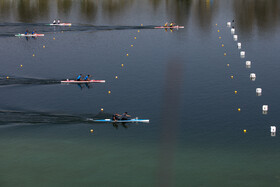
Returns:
(178, 79)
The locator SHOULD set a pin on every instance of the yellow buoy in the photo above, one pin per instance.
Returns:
(131, 45)
(91, 130)
(116, 77)
(216, 24)
(122, 65)
(235, 92)
(7, 77)
(227, 65)
(102, 109)
(244, 130)
(33, 54)
(239, 109)
(109, 92)
(44, 46)
(126, 54)
(21, 65)
(222, 45)
(135, 38)
(225, 54)
(53, 38)
(231, 77)
(138, 30)
(220, 37)
(218, 30)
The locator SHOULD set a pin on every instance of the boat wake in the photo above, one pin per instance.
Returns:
(10, 29)
(9, 117)
(6, 81)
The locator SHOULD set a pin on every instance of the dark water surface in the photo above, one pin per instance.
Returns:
(178, 79)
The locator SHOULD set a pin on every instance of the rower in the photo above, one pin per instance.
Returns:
(79, 78)
(125, 116)
(166, 24)
(116, 117)
(58, 21)
(172, 24)
(54, 21)
(33, 32)
(26, 32)
(87, 78)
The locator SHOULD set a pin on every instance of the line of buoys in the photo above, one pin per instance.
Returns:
(252, 77)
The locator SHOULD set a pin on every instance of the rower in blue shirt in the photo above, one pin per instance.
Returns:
(26, 32)
(79, 78)
(33, 32)
(87, 78)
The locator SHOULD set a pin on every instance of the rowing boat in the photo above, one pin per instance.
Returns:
(80, 82)
(168, 27)
(29, 35)
(122, 121)
(60, 24)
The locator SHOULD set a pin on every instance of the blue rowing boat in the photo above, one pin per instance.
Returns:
(122, 121)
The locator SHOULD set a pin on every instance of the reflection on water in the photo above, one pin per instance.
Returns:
(179, 10)
(64, 6)
(265, 14)
(204, 12)
(88, 9)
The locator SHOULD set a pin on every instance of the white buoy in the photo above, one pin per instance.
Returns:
(248, 64)
(259, 91)
(272, 128)
(228, 24)
(253, 76)
(242, 53)
(232, 31)
(235, 37)
(265, 109)
(239, 45)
